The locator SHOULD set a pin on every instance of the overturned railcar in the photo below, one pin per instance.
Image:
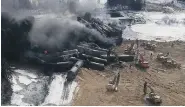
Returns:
(72, 73)
(113, 32)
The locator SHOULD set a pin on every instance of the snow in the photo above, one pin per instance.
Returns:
(14, 79)
(128, 33)
(56, 95)
(24, 80)
(159, 15)
(56, 90)
(34, 80)
(24, 72)
(16, 88)
(152, 31)
(17, 100)
(72, 88)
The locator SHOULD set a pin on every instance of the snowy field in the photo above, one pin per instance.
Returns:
(159, 28)
(32, 89)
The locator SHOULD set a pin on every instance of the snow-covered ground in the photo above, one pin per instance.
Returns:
(32, 89)
(59, 94)
(25, 73)
(21, 79)
(156, 28)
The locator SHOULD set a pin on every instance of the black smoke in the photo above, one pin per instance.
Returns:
(14, 36)
(18, 36)
(64, 34)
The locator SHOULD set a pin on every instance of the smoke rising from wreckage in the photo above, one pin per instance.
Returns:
(62, 45)
(41, 43)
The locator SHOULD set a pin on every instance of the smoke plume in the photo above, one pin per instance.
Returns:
(54, 33)
(27, 7)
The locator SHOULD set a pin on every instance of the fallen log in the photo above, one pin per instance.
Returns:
(72, 73)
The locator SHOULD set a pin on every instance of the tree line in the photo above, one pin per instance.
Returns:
(131, 4)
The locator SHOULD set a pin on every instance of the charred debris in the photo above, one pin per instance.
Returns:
(86, 52)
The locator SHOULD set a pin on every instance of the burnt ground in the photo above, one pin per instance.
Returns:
(168, 83)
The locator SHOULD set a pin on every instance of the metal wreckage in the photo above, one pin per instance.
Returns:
(92, 54)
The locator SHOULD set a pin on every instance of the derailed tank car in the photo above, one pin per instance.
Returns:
(113, 32)
(72, 73)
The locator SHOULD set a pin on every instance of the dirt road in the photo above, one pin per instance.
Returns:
(168, 83)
